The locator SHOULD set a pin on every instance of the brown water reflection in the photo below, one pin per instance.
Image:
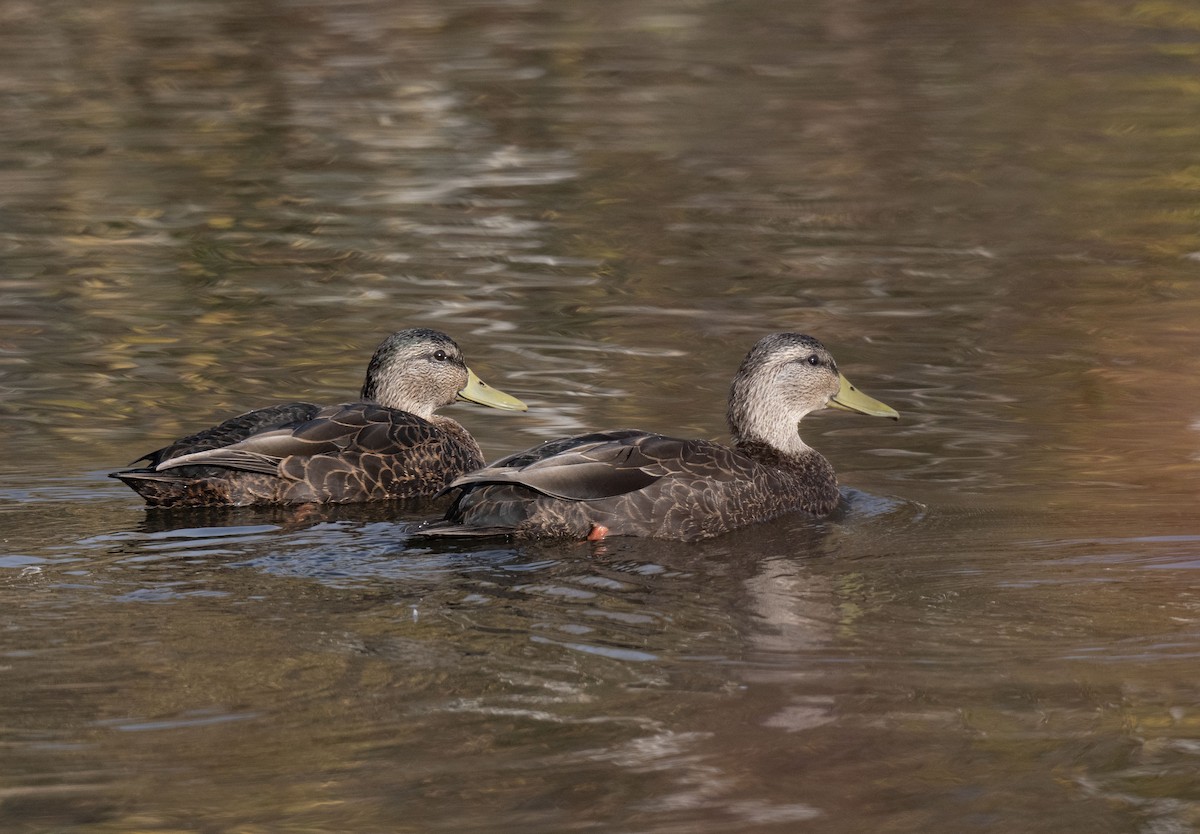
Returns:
(988, 214)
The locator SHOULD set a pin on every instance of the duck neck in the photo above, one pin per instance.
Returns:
(422, 410)
(394, 392)
(780, 437)
(755, 422)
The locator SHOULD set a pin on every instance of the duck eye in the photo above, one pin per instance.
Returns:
(814, 360)
(440, 355)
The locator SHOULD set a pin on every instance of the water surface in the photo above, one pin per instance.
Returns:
(987, 212)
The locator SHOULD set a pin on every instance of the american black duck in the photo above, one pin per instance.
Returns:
(389, 444)
(635, 483)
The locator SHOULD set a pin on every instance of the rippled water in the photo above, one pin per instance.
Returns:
(987, 212)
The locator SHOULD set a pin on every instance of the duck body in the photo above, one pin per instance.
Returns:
(367, 450)
(635, 483)
(302, 453)
(630, 482)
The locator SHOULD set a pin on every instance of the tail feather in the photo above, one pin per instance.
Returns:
(162, 488)
(449, 530)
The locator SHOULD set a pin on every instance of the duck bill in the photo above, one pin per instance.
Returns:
(849, 398)
(478, 391)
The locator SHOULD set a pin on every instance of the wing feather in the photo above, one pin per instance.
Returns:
(604, 465)
(365, 428)
(235, 429)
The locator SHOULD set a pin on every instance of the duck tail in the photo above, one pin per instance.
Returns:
(158, 488)
(451, 530)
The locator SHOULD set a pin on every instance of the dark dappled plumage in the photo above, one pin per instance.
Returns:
(630, 482)
(387, 445)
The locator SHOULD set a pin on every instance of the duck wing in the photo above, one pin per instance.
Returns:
(234, 429)
(608, 464)
(348, 429)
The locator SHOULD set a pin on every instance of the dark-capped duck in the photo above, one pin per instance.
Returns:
(389, 444)
(634, 483)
